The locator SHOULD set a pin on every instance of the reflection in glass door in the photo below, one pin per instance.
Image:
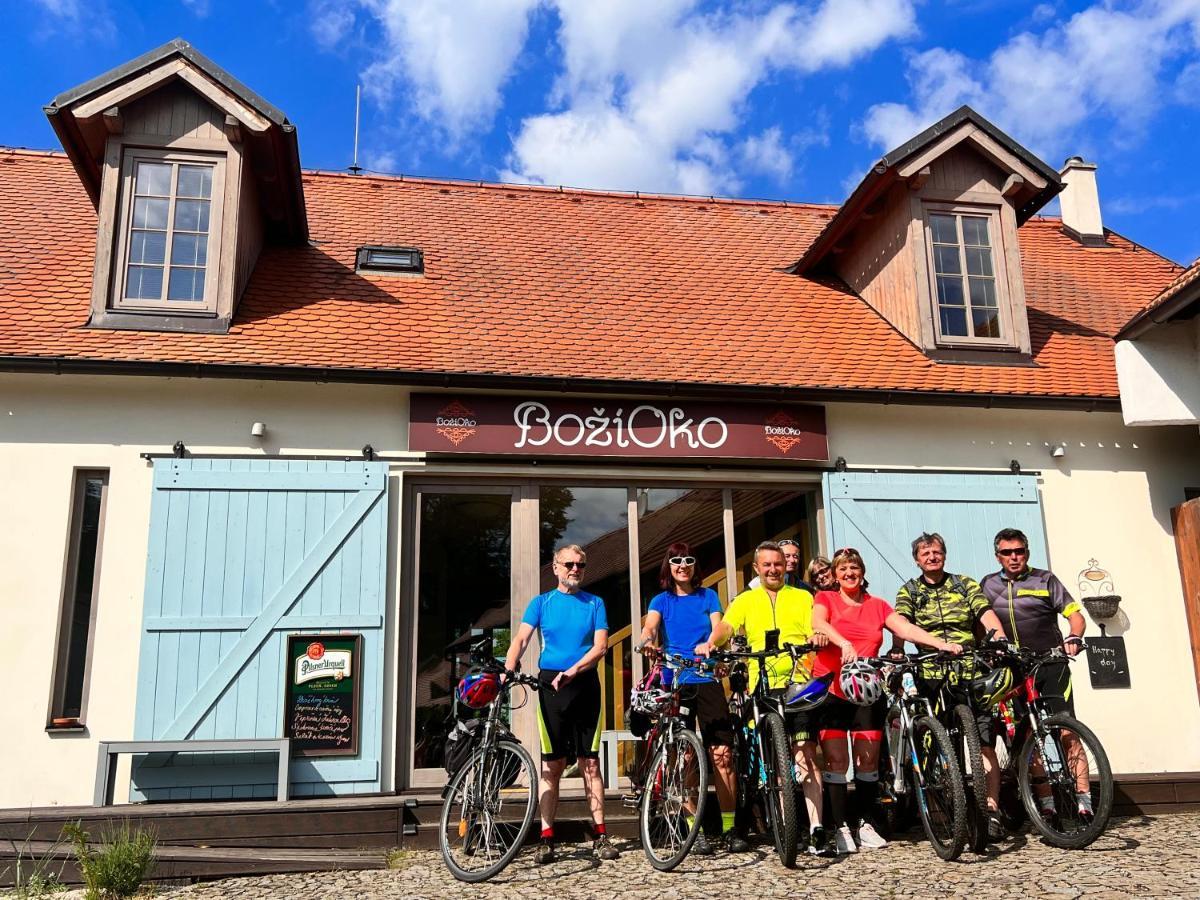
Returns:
(463, 593)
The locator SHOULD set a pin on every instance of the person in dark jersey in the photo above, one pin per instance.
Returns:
(574, 632)
(690, 618)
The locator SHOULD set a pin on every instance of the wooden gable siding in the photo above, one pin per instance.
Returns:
(880, 266)
(964, 170)
(175, 111)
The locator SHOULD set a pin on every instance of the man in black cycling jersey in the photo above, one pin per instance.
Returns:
(1029, 602)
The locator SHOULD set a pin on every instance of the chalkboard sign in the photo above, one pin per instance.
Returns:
(1107, 663)
(320, 704)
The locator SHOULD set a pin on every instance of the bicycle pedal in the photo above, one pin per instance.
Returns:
(631, 801)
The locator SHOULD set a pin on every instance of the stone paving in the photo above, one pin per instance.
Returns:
(1137, 857)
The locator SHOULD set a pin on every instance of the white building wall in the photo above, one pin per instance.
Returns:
(1109, 497)
(1159, 375)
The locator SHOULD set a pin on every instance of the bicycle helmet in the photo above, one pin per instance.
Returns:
(478, 688)
(652, 692)
(861, 683)
(800, 696)
(990, 689)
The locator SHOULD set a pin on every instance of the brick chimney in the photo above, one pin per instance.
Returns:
(1081, 202)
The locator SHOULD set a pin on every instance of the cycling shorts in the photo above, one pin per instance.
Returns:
(569, 718)
(708, 707)
(1053, 682)
(837, 717)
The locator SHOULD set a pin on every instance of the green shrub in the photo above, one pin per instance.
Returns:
(119, 866)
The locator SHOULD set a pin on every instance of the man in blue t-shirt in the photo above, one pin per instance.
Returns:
(690, 618)
(574, 632)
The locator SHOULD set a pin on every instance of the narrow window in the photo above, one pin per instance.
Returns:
(965, 278)
(78, 607)
(170, 226)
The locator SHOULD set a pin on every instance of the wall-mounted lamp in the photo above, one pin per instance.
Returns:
(1058, 451)
(258, 429)
(1014, 466)
(839, 464)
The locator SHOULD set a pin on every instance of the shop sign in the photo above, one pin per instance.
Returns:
(450, 423)
(321, 703)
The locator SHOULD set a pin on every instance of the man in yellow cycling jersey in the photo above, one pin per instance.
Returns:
(776, 606)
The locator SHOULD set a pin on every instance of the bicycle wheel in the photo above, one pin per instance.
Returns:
(484, 823)
(676, 786)
(1073, 757)
(779, 791)
(974, 781)
(938, 788)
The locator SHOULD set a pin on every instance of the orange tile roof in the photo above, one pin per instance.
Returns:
(539, 282)
(1187, 277)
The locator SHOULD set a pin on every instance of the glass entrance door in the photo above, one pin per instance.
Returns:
(462, 593)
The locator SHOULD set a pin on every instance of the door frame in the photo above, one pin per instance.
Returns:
(524, 569)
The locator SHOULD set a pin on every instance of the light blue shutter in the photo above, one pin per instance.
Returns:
(879, 514)
(241, 553)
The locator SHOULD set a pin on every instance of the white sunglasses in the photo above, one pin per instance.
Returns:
(682, 560)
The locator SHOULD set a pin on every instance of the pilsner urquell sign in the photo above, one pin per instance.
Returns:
(452, 423)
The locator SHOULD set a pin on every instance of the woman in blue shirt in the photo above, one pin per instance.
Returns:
(690, 618)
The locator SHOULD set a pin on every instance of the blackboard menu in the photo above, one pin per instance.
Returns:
(1107, 664)
(320, 704)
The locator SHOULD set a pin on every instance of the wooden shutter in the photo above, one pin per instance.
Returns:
(879, 514)
(241, 553)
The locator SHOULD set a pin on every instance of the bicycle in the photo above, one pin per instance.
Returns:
(486, 810)
(671, 781)
(1053, 759)
(763, 750)
(955, 708)
(921, 757)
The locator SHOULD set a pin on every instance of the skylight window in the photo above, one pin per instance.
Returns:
(390, 260)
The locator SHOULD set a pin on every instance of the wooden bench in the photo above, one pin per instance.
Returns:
(106, 771)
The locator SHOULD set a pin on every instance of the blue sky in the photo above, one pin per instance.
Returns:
(757, 99)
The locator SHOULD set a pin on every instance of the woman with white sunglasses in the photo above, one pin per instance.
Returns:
(690, 618)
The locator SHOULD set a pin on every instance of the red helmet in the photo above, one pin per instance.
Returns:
(477, 689)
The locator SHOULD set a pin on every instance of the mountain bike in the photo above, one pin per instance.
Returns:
(1050, 760)
(921, 761)
(763, 750)
(487, 810)
(955, 708)
(671, 782)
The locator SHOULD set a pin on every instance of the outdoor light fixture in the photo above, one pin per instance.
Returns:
(258, 429)
(1058, 451)
(1014, 466)
(839, 464)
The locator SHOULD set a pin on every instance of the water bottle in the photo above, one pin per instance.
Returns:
(895, 748)
(1010, 726)
(909, 684)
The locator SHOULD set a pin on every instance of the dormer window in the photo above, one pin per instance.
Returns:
(170, 214)
(964, 275)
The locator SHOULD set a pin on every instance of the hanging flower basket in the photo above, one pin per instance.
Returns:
(1103, 607)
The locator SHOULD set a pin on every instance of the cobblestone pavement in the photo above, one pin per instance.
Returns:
(1137, 857)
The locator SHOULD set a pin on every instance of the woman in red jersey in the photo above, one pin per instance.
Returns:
(856, 707)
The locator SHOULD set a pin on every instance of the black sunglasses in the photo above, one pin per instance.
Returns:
(682, 560)
(1013, 551)
(572, 564)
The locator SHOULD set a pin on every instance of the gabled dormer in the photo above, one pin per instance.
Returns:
(929, 237)
(191, 173)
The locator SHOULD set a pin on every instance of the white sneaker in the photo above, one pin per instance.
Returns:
(869, 838)
(845, 841)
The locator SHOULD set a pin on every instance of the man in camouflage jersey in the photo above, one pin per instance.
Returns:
(950, 606)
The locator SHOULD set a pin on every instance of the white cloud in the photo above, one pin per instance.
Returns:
(76, 20)
(766, 153)
(1104, 65)
(652, 93)
(199, 8)
(330, 21)
(454, 57)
